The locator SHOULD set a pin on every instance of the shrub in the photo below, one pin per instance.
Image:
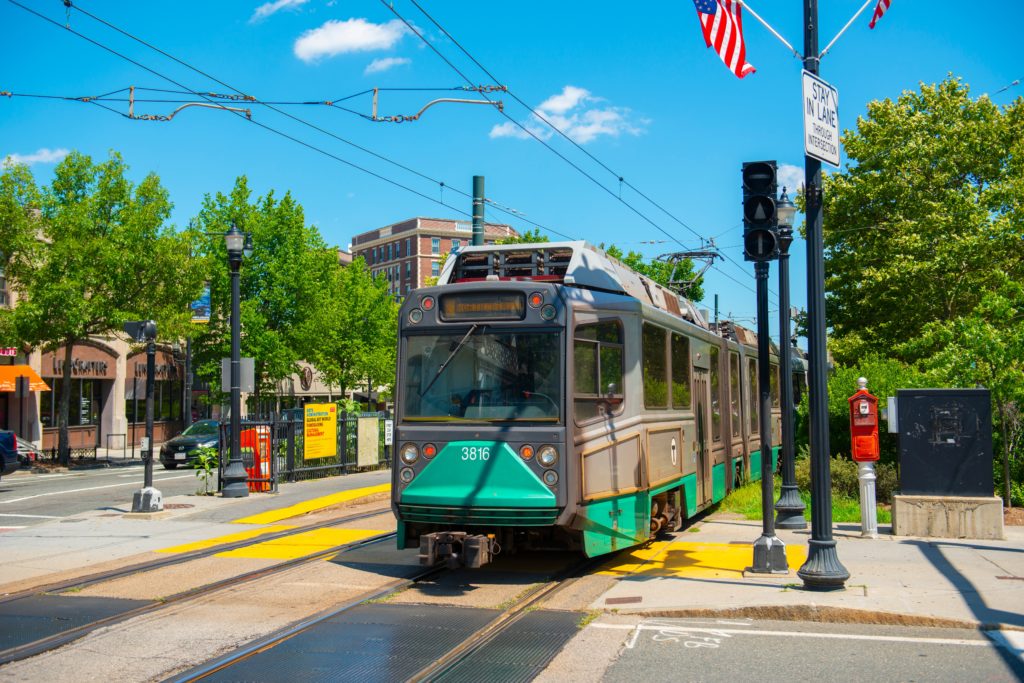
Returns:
(206, 462)
(844, 478)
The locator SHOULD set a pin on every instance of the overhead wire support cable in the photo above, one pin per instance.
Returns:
(479, 88)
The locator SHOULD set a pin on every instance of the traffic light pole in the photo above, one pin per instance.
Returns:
(769, 550)
(822, 570)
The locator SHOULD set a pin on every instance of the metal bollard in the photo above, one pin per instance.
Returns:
(868, 509)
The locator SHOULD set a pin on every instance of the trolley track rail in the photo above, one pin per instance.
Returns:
(67, 635)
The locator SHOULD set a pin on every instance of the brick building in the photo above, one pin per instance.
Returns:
(410, 251)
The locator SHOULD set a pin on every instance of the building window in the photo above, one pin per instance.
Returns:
(408, 247)
(435, 269)
(456, 244)
(166, 400)
(408, 268)
(597, 370)
(398, 249)
(85, 406)
(655, 368)
(435, 245)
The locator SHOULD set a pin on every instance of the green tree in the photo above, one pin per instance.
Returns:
(357, 339)
(926, 218)
(528, 237)
(661, 272)
(87, 253)
(284, 284)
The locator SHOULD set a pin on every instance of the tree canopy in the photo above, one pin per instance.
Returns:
(662, 272)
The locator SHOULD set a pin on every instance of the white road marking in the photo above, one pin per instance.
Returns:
(91, 488)
(5, 514)
(10, 528)
(794, 634)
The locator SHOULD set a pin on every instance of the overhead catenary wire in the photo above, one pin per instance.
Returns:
(395, 183)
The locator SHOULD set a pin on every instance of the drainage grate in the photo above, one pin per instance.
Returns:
(519, 653)
(178, 506)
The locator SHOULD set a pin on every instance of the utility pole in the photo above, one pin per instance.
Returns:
(148, 499)
(822, 570)
(478, 210)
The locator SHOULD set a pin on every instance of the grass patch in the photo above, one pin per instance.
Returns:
(746, 501)
(588, 617)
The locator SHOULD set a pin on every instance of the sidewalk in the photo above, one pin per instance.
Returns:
(896, 580)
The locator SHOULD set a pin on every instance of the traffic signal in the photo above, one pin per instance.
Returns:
(760, 221)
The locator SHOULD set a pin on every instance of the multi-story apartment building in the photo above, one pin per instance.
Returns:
(410, 251)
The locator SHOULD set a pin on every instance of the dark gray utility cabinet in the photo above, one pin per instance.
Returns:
(945, 442)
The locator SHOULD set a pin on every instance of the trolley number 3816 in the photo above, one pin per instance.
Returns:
(474, 453)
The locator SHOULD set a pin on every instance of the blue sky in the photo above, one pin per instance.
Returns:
(633, 84)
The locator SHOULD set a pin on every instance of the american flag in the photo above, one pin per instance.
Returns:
(879, 11)
(723, 29)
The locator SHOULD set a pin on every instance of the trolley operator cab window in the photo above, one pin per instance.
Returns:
(482, 375)
(597, 370)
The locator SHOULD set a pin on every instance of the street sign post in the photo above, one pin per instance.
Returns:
(821, 120)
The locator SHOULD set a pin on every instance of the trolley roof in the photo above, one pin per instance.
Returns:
(576, 263)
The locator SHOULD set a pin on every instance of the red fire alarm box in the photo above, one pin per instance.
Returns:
(864, 426)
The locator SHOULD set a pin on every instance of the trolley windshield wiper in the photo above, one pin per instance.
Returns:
(458, 347)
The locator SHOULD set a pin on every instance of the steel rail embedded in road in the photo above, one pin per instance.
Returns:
(56, 640)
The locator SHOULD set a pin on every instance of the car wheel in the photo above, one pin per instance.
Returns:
(170, 465)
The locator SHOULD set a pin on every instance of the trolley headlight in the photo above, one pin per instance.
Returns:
(548, 312)
(410, 453)
(547, 456)
(526, 452)
(415, 316)
(550, 477)
(406, 474)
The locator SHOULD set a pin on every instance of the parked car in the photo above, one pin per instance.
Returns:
(8, 452)
(181, 450)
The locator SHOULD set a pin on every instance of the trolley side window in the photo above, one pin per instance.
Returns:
(680, 371)
(597, 369)
(734, 392)
(716, 395)
(655, 367)
(773, 384)
(755, 397)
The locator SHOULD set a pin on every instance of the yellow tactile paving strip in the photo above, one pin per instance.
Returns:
(273, 516)
(300, 545)
(693, 560)
(221, 540)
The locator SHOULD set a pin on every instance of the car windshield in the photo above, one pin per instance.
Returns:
(492, 376)
(202, 428)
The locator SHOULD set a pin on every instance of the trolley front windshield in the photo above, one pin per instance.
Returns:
(478, 375)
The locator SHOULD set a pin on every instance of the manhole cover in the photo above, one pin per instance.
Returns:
(177, 506)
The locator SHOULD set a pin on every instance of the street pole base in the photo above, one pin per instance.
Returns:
(769, 556)
(236, 480)
(790, 509)
(823, 571)
(148, 499)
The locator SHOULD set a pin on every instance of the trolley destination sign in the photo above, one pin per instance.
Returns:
(821, 119)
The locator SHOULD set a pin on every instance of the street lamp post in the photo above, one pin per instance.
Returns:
(235, 476)
(148, 499)
(790, 508)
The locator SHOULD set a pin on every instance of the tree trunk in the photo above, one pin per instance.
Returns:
(63, 445)
(1007, 500)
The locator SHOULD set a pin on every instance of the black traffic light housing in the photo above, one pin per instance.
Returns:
(760, 221)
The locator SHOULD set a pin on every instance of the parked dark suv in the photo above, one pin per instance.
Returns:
(8, 452)
(181, 450)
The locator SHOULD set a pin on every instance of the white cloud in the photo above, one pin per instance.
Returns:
(791, 177)
(575, 112)
(43, 155)
(352, 35)
(266, 9)
(385, 63)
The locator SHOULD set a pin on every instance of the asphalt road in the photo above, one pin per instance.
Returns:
(27, 499)
(748, 650)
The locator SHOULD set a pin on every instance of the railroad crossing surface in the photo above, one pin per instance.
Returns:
(307, 584)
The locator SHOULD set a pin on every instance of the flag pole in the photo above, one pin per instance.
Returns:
(843, 30)
(744, 3)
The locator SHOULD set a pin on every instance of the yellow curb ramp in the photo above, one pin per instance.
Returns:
(301, 545)
(274, 516)
(222, 540)
(693, 560)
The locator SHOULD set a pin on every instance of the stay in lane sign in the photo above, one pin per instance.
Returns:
(821, 120)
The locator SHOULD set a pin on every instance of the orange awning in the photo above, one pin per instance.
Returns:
(9, 373)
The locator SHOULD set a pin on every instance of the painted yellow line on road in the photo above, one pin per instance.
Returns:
(302, 508)
(693, 560)
(300, 545)
(221, 540)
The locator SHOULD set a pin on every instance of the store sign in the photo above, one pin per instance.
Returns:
(79, 367)
(160, 370)
(320, 431)
(9, 351)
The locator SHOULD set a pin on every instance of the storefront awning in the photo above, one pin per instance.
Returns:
(10, 373)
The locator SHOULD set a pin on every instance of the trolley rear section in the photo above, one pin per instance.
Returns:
(549, 397)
